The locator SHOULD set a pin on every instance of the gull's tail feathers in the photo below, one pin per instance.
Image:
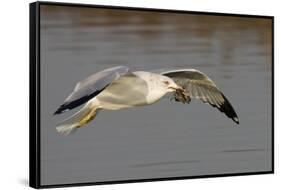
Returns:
(79, 119)
(66, 129)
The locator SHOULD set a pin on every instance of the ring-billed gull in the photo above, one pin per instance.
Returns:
(119, 87)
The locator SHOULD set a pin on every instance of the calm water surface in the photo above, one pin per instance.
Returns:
(166, 139)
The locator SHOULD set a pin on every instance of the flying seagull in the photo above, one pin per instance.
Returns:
(119, 87)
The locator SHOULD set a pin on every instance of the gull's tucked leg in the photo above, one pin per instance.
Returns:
(87, 118)
(79, 119)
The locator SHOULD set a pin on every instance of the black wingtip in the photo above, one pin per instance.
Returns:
(75, 103)
(229, 111)
(61, 109)
(58, 112)
(236, 120)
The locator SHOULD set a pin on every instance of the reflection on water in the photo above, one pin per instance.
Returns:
(243, 150)
(166, 163)
(234, 51)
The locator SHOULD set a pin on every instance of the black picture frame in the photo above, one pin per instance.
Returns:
(34, 98)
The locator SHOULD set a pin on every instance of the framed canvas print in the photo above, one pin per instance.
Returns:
(121, 94)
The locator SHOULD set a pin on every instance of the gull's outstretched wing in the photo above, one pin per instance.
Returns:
(91, 87)
(200, 86)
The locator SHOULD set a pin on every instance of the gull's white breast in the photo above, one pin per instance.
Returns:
(156, 89)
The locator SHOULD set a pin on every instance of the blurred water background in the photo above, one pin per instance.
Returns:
(166, 139)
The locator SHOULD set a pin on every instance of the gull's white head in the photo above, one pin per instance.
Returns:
(169, 84)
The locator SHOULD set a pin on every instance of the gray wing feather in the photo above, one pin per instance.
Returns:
(200, 86)
(91, 87)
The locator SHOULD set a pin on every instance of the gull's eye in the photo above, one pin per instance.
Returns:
(166, 82)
